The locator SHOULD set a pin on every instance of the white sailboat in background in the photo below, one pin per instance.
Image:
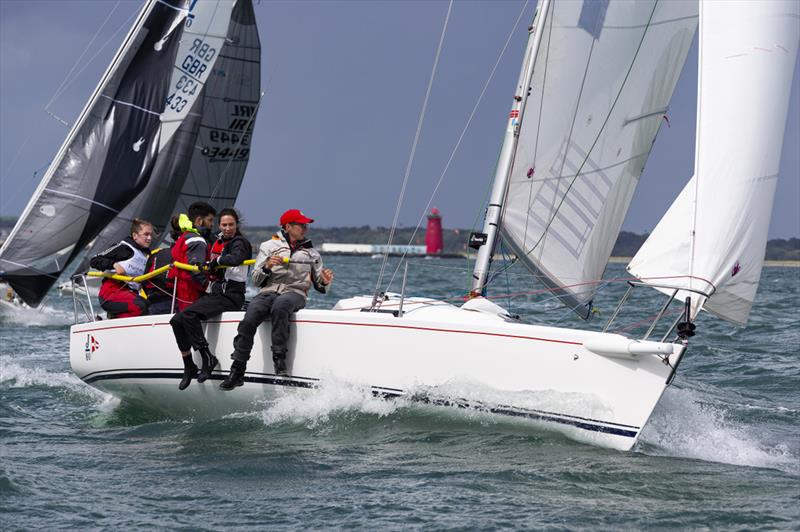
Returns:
(596, 79)
(168, 124)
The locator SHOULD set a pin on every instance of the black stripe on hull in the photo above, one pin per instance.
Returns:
(592, 425)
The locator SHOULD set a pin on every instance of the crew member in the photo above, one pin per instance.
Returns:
(225, 292)
(159, 290)
(191, 247)
(118, 298)
(286, 267)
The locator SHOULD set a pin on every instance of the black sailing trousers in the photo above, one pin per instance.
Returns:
(265, 306)
(187, 325)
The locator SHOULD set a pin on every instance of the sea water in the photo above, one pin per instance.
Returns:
(722, 449)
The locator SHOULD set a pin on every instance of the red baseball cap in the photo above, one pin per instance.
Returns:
(295, 216)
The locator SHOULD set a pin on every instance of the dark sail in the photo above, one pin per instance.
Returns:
(108, 157)
(206, 158)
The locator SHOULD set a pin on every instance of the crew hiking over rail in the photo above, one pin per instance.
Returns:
(286, 267)
(225, 292)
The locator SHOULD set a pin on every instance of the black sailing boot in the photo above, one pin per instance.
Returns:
(209, 363)
(279, 361)
(189, 372)
(235, 377)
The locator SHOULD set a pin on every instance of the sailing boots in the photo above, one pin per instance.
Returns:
(235, 377)
(209, 363)
(279, 361)
(189, 372)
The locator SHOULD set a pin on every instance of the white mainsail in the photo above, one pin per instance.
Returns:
(713, 237)
(602, 81)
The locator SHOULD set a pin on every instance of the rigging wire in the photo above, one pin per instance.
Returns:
(461, 138)
(64, 85)
(413, 148)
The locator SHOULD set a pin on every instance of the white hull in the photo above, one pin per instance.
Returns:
(435, 353)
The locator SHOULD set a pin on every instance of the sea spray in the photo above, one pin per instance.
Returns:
(686, 424)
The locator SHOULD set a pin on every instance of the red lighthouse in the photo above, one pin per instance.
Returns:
(433, 234)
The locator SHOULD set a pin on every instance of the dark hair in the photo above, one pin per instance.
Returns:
(201, 209)
(175, 227)
(229, 211)
(137, 225)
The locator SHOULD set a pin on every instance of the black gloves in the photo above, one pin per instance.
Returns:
(209, 265)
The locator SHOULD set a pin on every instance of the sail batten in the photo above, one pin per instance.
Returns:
(714, 235)
(602, 81)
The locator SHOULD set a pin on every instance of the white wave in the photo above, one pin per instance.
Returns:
(316, 406)
(687, 426)
(14, 375)
(43, 316)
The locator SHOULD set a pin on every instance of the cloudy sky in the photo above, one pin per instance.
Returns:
(344, 85)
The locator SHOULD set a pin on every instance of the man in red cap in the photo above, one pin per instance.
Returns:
(286, 267)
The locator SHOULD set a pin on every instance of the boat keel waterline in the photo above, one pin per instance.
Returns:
(598, 388)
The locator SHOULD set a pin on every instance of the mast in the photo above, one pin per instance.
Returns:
(504, 165)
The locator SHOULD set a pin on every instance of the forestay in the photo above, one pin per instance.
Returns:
(107, 158)
(206, 157)
(713, 237)
(603, 77)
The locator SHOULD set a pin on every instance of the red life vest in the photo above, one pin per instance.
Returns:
(188, 290)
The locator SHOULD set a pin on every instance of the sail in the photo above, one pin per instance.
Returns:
(194, 165)
(602, 81)
(230, 103)
(713, 237)
(107, 158)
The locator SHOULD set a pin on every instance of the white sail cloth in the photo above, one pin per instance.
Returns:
(714, 235)
(603, 78)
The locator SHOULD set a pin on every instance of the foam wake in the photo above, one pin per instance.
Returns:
(331, 398)
(15, 375)
(688, 425)
(36, 317)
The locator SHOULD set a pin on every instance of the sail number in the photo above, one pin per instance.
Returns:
(194, 65)
(222, 154)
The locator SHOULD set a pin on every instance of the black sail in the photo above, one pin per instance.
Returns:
(108, 157)
(206, 158)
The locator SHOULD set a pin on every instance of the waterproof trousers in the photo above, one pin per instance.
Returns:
(120, 301)
(277, 308)
(187, 325)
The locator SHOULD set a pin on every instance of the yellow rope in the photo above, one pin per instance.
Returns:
(159, 271)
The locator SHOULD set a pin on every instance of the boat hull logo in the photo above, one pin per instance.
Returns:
(91, 346)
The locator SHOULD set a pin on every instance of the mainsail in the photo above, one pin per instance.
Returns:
(130, 150)
(206, 158)
(602, 80)
(713, 237)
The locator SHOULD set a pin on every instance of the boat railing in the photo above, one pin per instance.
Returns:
(685, 314)
(80, 288)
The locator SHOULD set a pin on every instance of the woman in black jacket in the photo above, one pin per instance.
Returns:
(225, 292)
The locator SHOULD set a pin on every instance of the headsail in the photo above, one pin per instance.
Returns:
(602, 81)
(713, 237)
(206, 158)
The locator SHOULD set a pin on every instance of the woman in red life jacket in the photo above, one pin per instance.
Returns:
(191, 247)
(225, 292)
(118, 298)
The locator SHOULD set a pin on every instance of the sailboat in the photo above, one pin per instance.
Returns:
(595, 83)
(168, 124)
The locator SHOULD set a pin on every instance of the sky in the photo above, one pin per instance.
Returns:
(344, 84)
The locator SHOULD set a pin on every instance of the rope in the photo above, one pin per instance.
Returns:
(461, 137)
(413, 147)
